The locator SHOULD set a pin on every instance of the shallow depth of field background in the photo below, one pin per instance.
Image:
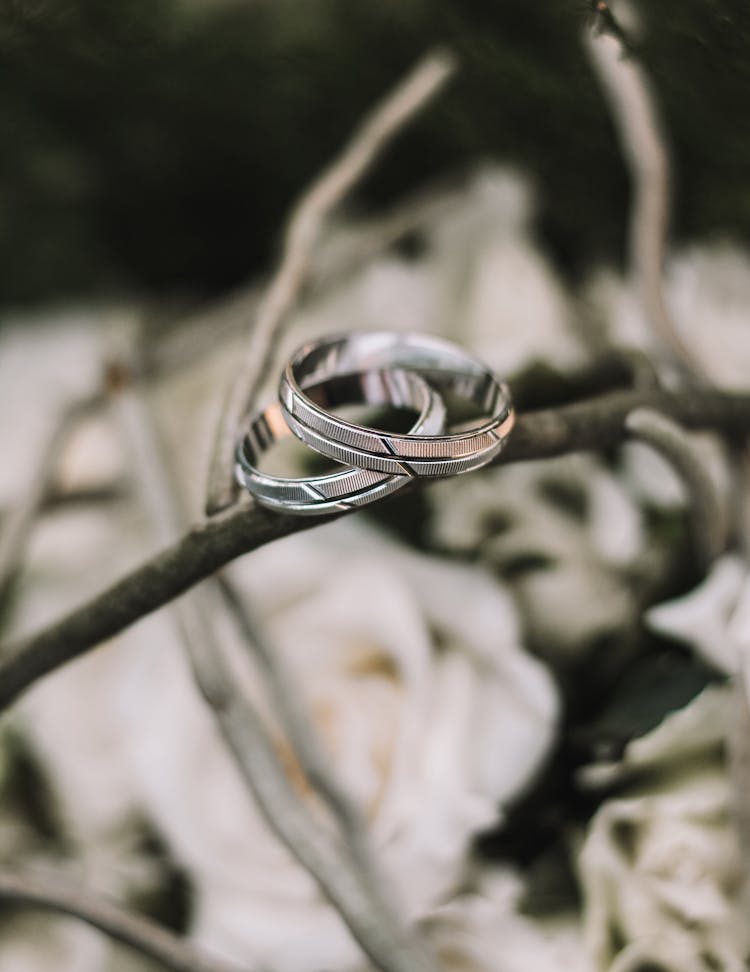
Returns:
(525, 676)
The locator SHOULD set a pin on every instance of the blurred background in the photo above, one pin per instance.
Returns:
(155, 148)
(526, 677)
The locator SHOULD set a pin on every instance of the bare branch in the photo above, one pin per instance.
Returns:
(605, 21)
(303, 231)
(357, 245)
(123, 926)
(598, 423)
(374, 925)
(363, 903)
(304, 739)
(16, 528)
(709, 523)
(338, 256)
(627, 91)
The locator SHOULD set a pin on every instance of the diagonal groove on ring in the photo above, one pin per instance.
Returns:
(405, 466)
(313, 491)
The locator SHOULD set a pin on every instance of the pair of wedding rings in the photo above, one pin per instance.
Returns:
(410, 371)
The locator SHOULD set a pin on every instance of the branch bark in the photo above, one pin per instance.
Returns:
(366, 910)
(595, 424)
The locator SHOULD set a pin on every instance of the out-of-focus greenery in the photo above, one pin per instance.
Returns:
(156, 146)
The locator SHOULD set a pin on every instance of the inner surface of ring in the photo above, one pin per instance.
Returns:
(467, 444)
(449, 370)
(393, 388)
(372, 350)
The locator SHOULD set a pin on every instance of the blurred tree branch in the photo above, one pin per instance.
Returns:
(50, 893)
(338, 857)
(627, 90)
(304, 739)
(709, 523)
(597, 423)
(352, 247)
(21, 518)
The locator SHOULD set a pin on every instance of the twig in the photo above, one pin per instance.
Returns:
(20, 520)
(199, 330)
(708, 527)
(627, 92)
(340, 256)
(374, 926)
(357, 245)
(598, 423)
(605, 21)
(303, 231)
(355, 892)
(67, 498)
(123, 926)
(303, 737)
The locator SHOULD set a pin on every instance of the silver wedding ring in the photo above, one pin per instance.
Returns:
(448, 368)
(428, 375)
(348, 487)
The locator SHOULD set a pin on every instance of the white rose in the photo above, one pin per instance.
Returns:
(433, 715)
(485, 931)
(561, 531)
(703, 283)
(661, 868)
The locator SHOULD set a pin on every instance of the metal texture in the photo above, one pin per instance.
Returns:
(349, 487)
(448, 368)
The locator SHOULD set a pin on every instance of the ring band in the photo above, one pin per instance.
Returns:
(348, 487)
(447, 367)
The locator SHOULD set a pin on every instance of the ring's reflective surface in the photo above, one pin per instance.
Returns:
(449, 369)
(415, 371)
(348, 487)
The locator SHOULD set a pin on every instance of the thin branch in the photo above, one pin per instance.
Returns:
(628, 93)
(599, 423)
(67, 498)
(359, 244)
(123, 926)
(21, 518)
(303, 232)
(604, 21)
(372, 919)
(595, 424)
(708, 526)
(339, 256)
(303, 736)
(197, 554)
(199, 330)
(356, 892)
